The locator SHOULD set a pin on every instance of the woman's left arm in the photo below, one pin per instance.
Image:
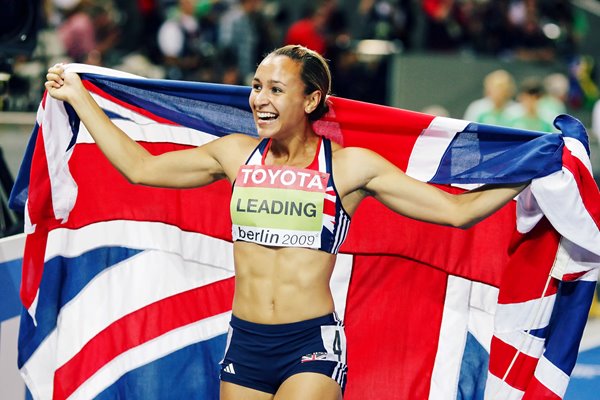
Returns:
(412, 198)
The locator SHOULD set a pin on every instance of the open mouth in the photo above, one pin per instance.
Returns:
(266, 116)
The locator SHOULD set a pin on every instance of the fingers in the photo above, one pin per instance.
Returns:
(54, 77)
(57, 69)
(56, 72)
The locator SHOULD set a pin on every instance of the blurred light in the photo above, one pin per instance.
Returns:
(552, 31)
(372, 47)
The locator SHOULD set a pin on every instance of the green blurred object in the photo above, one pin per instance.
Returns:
(203, 7)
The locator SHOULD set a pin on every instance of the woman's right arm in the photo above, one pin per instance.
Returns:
(179, 169)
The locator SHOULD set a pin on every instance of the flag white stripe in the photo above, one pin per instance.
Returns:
(496, 389)
(154, 133)
(578, 150)
(57, 136)
(452, 339)
(431, 145)
(140, 235)
(525, 343)
(571, 258)
(93, 69)
(558, 192)
(482, 309)
(38, 371)
(340, 282)
(551, 377)
(150, 351)
(142, 128)
(528, 211)
(525, 315)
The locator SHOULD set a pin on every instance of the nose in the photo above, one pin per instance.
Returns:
(260, 97)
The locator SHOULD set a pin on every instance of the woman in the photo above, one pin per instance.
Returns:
(285, 341)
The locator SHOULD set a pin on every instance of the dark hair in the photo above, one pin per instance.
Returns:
(314, 73)
(532, 86)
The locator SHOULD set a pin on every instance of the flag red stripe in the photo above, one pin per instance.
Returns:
(537, 391)
(521, 372)
(39, 207)
(121, 200)
(39, 201)
(527, 272)
(33, 265)
(452, 251)
(588, 190)
(392, 328)
(174, 313)
(390, 132)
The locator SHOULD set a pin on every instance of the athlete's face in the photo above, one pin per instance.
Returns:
(277, 99)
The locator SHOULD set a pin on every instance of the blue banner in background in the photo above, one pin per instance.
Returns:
(10, 280)
(585, 380)
(11, 258)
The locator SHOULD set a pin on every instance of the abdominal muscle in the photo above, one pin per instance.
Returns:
(281, 285)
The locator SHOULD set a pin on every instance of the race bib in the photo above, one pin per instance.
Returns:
(278, 206)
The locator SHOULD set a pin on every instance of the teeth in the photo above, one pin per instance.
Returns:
(266, 115)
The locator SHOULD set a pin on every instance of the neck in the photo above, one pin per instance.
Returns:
(297, 150)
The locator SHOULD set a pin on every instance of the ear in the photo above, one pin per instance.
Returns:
(312, 101)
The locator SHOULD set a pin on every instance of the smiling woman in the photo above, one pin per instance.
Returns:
(293, 196)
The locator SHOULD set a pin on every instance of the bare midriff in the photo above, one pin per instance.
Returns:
(281, 285)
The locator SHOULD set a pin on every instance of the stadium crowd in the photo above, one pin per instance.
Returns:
(222, 40)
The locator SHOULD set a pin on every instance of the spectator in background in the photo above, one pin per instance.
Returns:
(583, 90)
(387, 20)
(570, 25)
(87, 31)
(596, 121)
(595, 140)
(553, 103)
(246, 35)
(437, 110)
(443, 25)
(532, 43)
(497, 107)
(310, 31)
(185, 51)
(530, 92)
(150, 21)
(496, 33)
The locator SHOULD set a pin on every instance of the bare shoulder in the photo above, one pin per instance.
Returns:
(231, 151)
(346, 156)
(357, 166)
(233, 146)
(239, 141)
(351, 166)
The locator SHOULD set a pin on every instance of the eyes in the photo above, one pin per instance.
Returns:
(274, 89)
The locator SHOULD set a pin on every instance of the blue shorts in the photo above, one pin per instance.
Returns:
(262, 356)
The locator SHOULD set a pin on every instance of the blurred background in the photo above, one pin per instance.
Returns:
(507, 62)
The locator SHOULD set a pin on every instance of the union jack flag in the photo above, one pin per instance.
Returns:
(127, 290)
(314, 357)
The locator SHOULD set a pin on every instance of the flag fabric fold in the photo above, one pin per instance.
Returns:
(127, 290)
